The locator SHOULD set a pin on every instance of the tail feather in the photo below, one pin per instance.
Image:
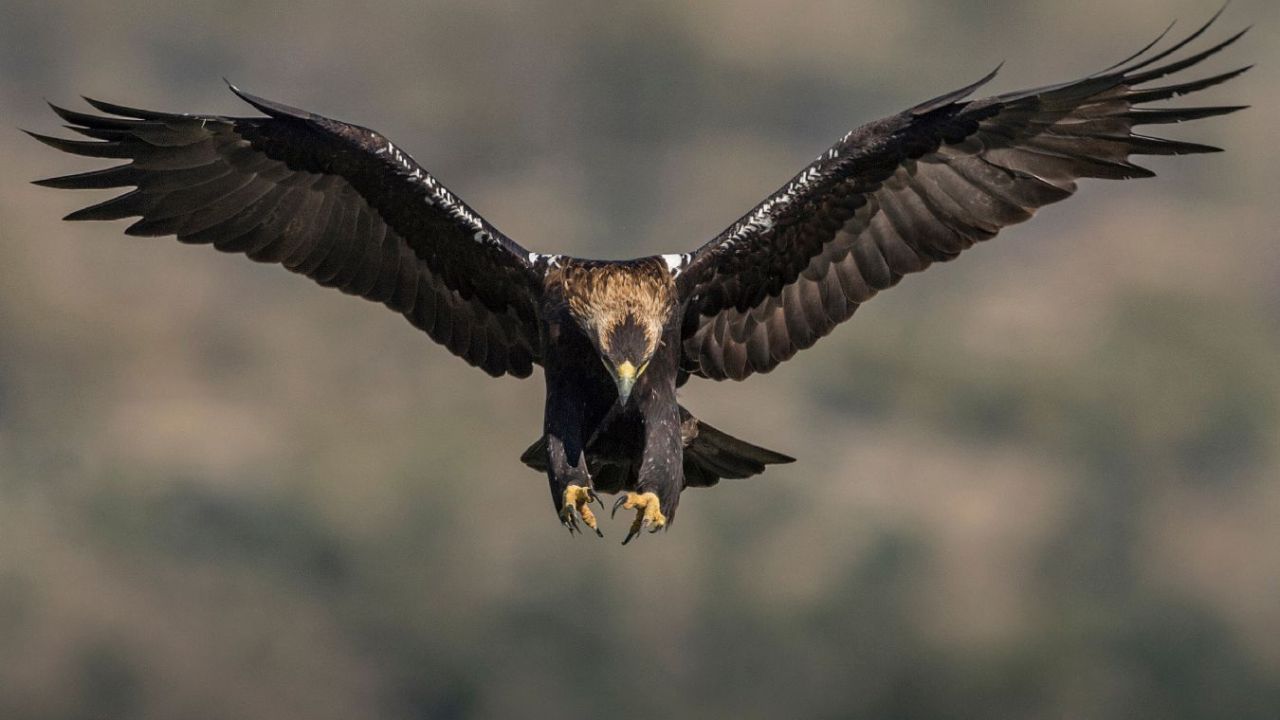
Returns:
(535, 456)
(709, 455)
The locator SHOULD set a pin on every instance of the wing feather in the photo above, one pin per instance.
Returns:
(896, 195)
(335, 202)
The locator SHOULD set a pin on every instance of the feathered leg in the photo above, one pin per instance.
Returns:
(661, 475)
(575, 407)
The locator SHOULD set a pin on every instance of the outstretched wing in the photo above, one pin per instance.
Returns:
(335, 202)
(898, 194)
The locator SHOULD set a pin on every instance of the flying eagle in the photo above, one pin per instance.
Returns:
(348, 208)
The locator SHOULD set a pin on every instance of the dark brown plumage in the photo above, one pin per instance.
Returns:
(345, 207)
(896, 195)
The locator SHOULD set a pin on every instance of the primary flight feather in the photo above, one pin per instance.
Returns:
(346, 207)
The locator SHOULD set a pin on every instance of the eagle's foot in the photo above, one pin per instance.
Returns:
(648, 512)
(577, 503)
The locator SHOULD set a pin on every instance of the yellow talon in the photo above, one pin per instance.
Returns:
(648, 513)
(577, 499)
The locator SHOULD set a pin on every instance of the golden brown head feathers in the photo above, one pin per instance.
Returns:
(624, 305)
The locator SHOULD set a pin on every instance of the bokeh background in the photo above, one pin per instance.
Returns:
(1040, 482)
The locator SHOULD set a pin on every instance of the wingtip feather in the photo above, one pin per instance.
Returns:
(61, 182)
(955, 95)
(1177, 45)
(81, 147)
(269, 107)
(124, 110)
(1133, 78)
(1163, 34)
(1167, 92)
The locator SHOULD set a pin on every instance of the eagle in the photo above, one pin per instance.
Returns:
(615, 340)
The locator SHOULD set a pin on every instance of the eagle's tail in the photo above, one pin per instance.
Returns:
(709, 454)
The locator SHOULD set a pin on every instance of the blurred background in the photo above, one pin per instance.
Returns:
(1040, 482)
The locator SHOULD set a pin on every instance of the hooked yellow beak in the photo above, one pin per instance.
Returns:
(625, 375)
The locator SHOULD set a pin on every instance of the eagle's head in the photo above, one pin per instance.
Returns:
(623, 308)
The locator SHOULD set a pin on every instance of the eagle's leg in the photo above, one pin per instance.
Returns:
(661, 476)
(571, 488)
(573, 410)
(648, 509)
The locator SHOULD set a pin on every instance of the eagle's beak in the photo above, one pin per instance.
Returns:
(625, 376)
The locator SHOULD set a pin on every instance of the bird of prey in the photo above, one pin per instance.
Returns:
(346, 207)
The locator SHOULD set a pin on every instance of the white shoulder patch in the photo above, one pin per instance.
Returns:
(762, 218)
(552, 260)
(675, 263)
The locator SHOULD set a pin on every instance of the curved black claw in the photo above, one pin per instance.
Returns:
(631, 534)
(570, 520)
(622, 499)
(577, 503)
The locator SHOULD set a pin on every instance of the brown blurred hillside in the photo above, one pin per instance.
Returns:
(1040, 482)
